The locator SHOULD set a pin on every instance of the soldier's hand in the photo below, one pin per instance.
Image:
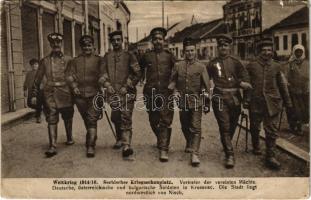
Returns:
(246, 86)
(246, 105)
(177, 95)
(110, 90)
(123, 90)
(76, 92)
(34, 100)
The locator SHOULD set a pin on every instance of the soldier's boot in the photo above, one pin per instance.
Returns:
(195, 144)
(68, 128)
(271, 161)
(228, 149)
(299, 129)
(52, 129)
(118, 143)
(256, 142)
(155, 130)
(188, 148)
(230, 161)
(126, 141)
(91, 142)
(164, 142)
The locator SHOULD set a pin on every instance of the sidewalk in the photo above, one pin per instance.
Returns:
(12, 118)
(297, 146)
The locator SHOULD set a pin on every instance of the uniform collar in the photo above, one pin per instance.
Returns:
(223, 57)
(264, 62)
(191, 62)
(118, 53)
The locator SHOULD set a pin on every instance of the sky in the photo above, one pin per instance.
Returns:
(148, 14)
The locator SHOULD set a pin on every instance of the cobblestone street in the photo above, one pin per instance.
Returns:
(23, 148)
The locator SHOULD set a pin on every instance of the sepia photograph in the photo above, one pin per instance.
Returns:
(165, 99)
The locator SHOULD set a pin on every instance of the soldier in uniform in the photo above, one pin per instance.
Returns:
(265, 100)
(120, 73)
(190, 80)
(228, 75)
(82, 76)
(56, 93)
(158, 65)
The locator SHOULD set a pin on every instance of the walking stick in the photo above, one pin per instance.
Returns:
(281, 116)
(105, 111)
(243, 116)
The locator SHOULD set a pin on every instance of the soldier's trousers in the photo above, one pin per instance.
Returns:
(270, 124)
(160, 117)
(122, 119)
(89, 114)
(190, 121)
(52, 114)
(227, 114)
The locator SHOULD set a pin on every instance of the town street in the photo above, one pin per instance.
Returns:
(23, 148)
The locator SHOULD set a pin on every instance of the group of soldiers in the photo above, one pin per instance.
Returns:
(78, 80)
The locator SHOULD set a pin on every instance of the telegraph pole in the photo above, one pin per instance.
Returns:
(163, 13)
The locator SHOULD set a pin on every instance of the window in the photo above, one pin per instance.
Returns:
(176, 52)
(285, 42)
(304, 40)
(277, 43)
(294, 39)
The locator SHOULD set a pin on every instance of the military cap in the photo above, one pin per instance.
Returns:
(86, 39)
(115, 33)
(55, 36)
(266, 41)
(158, 30)
(188, 41)
(33, 61)
(224, 38)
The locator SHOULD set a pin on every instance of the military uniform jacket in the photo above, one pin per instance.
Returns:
(55, 90)
(227, 73)
(120, 69)
(190, 79)
(269, 87)
(83, 72)
(158, 67)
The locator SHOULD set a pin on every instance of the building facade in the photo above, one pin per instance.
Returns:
(247, 20)
(113, 16)
(24, 29)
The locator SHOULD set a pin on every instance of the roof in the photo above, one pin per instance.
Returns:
(125, 7)
(298, 18)
(222, 28)
(195, 31)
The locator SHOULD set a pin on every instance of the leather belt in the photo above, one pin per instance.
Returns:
(56, 84)
(227, 89)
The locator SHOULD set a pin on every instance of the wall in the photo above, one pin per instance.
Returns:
(289, 32)
(5, 98)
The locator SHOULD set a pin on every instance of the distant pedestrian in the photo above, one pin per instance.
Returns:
(29, 80)
(298, 84)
